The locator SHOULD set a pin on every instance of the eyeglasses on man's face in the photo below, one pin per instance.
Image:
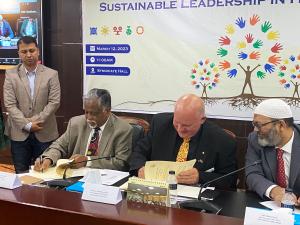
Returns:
(260, 125)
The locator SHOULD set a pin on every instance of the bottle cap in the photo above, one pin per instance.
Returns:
(172, 172)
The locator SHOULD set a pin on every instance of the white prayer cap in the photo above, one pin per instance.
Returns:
(274, 108)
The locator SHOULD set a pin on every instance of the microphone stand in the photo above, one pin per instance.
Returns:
(64, 182)
(207, 206)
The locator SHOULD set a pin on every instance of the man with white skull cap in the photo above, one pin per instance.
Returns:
(276, 142)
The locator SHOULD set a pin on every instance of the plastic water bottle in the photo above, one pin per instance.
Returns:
(288, 200)
(172, 181)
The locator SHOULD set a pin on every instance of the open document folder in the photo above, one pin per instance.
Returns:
(159, 170)
(58, 171)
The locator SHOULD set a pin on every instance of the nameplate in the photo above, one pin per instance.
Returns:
(255, 216)
(102, 193)
(9, 180)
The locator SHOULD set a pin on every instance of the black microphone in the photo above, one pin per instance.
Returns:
(64, 182)
(206, 206)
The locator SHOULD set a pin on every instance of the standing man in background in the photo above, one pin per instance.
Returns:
(31, 97)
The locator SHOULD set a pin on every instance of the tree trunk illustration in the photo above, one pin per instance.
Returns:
(248, 74)
(204, 90)
(296, 90)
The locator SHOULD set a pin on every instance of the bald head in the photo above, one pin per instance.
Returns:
(190, 103)
(189, 115)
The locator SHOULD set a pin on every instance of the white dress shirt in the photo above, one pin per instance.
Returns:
(89, 163)
(31, 78)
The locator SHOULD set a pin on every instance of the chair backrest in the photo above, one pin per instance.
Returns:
(231, 134)
(138, 121)
(240, 157)
(140, 128)
(137, 134)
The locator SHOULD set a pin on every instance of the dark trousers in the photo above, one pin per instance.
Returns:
(25, 152)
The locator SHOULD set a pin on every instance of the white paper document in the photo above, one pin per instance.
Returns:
(275, 205)
(254, 216)
(93, 177)
(102, 193)
(109, 177)
(9, 180)
(51, 173)
(190, 191)
(159, 170)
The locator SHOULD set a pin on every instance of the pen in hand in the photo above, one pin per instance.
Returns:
(41, 163)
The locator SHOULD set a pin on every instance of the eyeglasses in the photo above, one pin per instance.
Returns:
(259, 126)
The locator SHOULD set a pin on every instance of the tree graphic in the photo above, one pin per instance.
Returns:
(249, 47)
(205, 76)
(289, 75)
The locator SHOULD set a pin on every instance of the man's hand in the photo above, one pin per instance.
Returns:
(79, 158)
(141, 172)
(298, 202)
(190, 176)
(43, 165)
(277, 193)
(36, 126)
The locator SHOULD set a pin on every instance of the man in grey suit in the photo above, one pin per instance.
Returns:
(276, 142)
(98, 133)
(31, 97)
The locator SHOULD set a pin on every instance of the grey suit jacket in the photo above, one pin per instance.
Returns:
(262, 176)
(116, 140)
(22, 108)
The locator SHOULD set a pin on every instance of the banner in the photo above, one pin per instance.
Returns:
(232, 53)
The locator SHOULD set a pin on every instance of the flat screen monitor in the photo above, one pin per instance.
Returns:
(19, 18)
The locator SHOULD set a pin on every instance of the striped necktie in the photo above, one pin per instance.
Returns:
(93, 145)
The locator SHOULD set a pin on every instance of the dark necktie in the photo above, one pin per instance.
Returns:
(93, 145)
(280, 169)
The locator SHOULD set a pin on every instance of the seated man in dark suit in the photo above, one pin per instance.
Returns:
(276, 142)
(186, 135)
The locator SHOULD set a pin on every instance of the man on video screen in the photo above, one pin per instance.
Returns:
(5, 29)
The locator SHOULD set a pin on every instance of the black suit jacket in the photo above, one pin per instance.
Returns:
(214, 149)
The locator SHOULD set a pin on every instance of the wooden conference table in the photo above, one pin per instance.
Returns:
(37, 205)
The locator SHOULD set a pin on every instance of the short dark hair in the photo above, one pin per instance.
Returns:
(102, 95)
(26, 40)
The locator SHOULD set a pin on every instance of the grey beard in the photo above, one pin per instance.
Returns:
(272, 139)
(92, 124)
